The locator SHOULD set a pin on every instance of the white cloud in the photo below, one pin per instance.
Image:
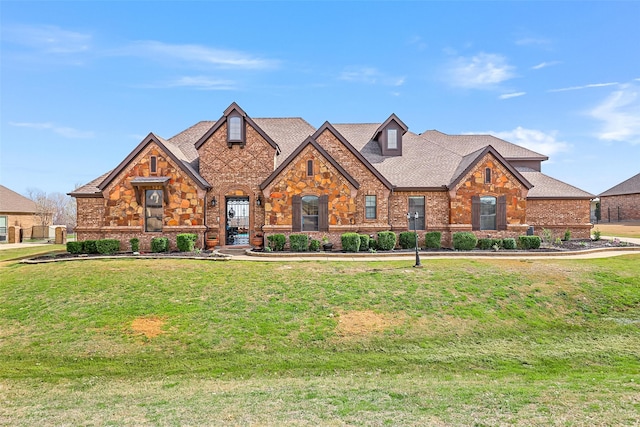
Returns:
(512, 95)
(620, 114)
(370, 75)
(544, 65)
(482, 71)
(47, 38)
(200, 82)
(196, 54)
(64, 131)
(587, 86)
(533, 41)
(546, 143)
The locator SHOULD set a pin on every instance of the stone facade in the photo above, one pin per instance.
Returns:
(624, 207)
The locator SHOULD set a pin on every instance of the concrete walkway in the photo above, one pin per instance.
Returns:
(4, 246)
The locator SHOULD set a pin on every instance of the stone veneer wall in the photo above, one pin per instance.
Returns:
(629, 205)
(503, 183)
(235, 171)
(559, 215)
(119, 215)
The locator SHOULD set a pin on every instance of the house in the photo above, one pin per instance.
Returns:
(238, 176)
(16, 211)
(621, 202)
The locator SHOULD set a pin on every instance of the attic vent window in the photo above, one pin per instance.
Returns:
(309, 167)
(392, 139)
(153, 164)
(487, 176)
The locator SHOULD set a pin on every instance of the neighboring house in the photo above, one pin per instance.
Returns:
(239, 176)
(16, 211)
(621, 202)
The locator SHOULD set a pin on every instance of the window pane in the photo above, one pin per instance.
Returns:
(153, 210)
(309, 207)
(370, 207)
(487, 213)
(392, 139)
(416, 204)
(235, 128)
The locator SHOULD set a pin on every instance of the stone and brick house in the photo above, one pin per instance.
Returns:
(239, 176)
(16, 213)
(621, 202)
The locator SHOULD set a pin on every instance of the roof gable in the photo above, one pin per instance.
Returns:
(309, 141)
(171, 150)
(328, 127)
(235, 108)
(470, 161)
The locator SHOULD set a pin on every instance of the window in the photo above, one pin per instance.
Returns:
(235, 128)
(153, 210)
(416, 204)
(309, 167)
(487, 213)
(310, 213)
(392, 139)
(153, 164)
(370, 207)
(3, 228)
(487, 176)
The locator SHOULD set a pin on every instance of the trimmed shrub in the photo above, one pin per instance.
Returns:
(135, 244)
(489, 243)
(509, 243)
(386, 240)
(407, 240)
(529, 242)
(364, 242)
(74, 247)
(186, 242)
(298, 242)
(314, 245)
(108, 246)
(159, 244)
(464, 241)
(567, 235)
(432, 240)
(89, 247)
(350, 242)
(373, 244)
(277, 242)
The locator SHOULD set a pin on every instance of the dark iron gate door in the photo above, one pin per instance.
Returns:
(237, 221)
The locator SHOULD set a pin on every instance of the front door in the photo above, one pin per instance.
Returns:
(237, 221)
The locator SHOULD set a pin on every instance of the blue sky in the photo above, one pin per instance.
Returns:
(82, 83)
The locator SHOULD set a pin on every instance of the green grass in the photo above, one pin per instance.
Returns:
(30, 251)
(459, 342)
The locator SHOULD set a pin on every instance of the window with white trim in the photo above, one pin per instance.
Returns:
(392, 139)
(235, 128)
(370, 207)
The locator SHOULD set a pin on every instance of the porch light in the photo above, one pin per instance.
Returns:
(214, 202)
(259, 200)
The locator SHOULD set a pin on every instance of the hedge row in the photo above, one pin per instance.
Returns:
(103, 246)
(186, 243)
(466, 241)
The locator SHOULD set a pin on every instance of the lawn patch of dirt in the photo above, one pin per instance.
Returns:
(150, 327)
(363, 323)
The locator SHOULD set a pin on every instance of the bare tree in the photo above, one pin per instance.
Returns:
(54, 208)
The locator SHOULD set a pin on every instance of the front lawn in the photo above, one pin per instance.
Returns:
(458, 342)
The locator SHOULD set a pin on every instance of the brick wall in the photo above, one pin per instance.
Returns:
(23, 221)
(620, 208)
(235, 171)
(558, 215)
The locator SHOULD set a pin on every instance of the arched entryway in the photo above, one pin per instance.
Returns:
(237, 220)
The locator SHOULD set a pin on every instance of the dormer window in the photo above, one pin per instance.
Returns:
(235, 129)
(392, 139)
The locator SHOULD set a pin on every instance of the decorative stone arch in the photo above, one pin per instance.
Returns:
(234, 190)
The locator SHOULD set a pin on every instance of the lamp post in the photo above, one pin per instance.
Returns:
(415, 220)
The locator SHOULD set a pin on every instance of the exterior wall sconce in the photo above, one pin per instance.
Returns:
(259, 200)
(214, 202)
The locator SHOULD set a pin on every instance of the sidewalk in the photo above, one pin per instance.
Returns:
(5, 246)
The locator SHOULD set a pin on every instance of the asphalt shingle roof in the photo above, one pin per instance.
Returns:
(430, 160)
(12, 202)
(629, 186)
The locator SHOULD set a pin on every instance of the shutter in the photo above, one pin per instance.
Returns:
(475, 212)
(323, 213)
(501, 213)
(296, 213)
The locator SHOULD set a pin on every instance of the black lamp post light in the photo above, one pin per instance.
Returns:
(415, 220)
